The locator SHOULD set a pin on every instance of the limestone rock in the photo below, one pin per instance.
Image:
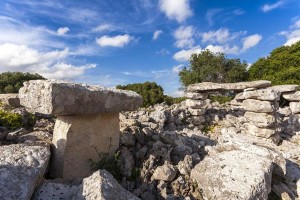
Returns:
(166, 172)
(258, 106)
(285, 88)
(263, 94)
(195, 104)
(10, 99)
(65, 98)
(209, 86)
(196, 96)
(21, 169)
(55, 191)
(102, 185)
(234, 175)
(294, 96)
(261, 120)
(295, 107)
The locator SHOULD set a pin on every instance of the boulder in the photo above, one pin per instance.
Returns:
(261, 120)
(263, 94)
(258, 106)
(55, 191)
(196, 96)
(209, 86)
(234, 175)
(22, 168)
(194, 104)
(66, 98)
(285, 88)
(166, 172)
(293, 96)
(295, 107)
(10, 99)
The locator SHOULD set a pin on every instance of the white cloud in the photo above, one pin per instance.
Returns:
(114, 41)
(103, 27)
(176, 9)
(184, 55)
(251, 41)
(50, 64)
(62, 30)
(163, 52)
(270, 7)
(176, 69)
(156, 34)
(221, 36)
(293, 35)
(184, 37)
(223, 49)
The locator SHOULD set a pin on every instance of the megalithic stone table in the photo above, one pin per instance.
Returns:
(87, 121)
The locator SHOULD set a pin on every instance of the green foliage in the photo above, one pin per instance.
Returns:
(172, 100)
(213, 67)
(11, 82)
(110, 163)
(150, 92)
(282, 66)
(208, 128)
(220, 98)
(10, 120)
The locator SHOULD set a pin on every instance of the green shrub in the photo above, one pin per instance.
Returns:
(10, 120)
(220, 98)
(172, 100)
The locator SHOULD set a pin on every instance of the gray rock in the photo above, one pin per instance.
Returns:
(285, 88)
(22, 168)
(258, 106)
(196, 96)
(14, 135)
(10, 99)
(194, 104)
(295, 107)
(209, 86)
(55, 191)
(234, 175)
(166, 172)
(127, 161)
(263, 94)
(294, 96)
(196, 112)
(65, 98)
(186, 165)
(261, 120)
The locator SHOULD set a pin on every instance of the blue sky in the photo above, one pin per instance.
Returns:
(108, 43)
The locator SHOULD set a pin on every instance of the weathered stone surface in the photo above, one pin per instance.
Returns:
(65, 98)
(22, 167)
(293, 176)
(55, 191)
(77, 139)
(10, 99)
(285, 88)
(196, 96)
(258, 106)
(209, 86)
(166, 172)
(102, 185)
(295, 107)
(195, 104)
(294, 96)
(234, 175)
(261, 120)
(263, 94)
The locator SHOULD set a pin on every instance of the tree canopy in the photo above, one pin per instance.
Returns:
(213, 67)
(282, 66)
(11, 82)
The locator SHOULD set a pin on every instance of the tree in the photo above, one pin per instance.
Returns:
(213, 67)
(11, 82)
(282, 66)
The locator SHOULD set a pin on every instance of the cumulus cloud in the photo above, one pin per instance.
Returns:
(184, 37)
(103, 27)
(220, 36)
(114, 41)
(270, 7)
(178, 10)
(184, 55)
(176, 69)
(251, 41)
(50, 64)
(293, 35)
(156, 34)
(223, 49)
(62, 30)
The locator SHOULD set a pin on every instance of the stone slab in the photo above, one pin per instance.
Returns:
(261, 120)
(263, 94)
(66, 98)
(196, 96)
(10, 99)
(285, 88)
(295, 107)
(22, 168)
(77, 139)
(259, 106)
(210, 86)
(259, 132)
(294, 96)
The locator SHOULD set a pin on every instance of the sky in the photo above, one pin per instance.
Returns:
(109, 43)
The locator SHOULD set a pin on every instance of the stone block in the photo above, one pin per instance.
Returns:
(263, 94)
(261, 120)
(77, 139)
(259, 106)
(10, 99)
(196, 96)
(259, 132)
(65, 98)
(295, 107)
(293, 96)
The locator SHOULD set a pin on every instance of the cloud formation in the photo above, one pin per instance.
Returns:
(184, 37)
(184, 55)
(293, 34)
(251, 41)
(270, 7)
(114, 41)
(178, 10)
(156, 34)
(62, 30)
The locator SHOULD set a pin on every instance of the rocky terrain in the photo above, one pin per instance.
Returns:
(247, 148)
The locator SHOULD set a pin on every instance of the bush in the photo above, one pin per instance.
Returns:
(220, 98)
(10, 120)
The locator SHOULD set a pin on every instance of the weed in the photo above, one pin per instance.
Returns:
(10, 120)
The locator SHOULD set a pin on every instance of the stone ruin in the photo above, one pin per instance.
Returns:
(87, 121)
